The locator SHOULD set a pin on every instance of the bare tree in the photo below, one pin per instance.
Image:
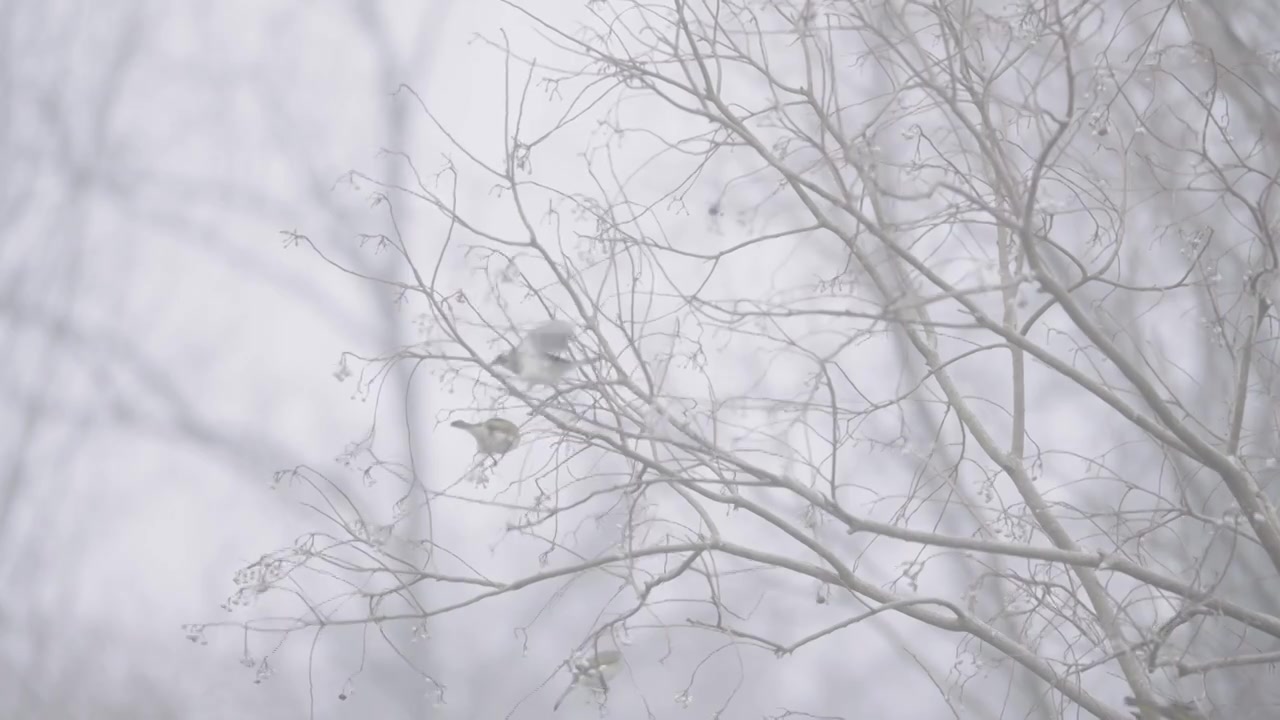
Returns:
(949, 321)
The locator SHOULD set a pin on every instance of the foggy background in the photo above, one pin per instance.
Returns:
(165, 350)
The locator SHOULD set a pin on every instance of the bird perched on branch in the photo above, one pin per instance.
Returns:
(538, 358)
(494, 436)
(593, 672)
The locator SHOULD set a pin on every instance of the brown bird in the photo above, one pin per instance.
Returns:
(592, 672)
(494, 436)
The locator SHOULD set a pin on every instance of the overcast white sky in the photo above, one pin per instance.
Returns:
(155, 150)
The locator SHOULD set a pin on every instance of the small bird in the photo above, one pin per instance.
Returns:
(494, 436)
(593, 671)
(537, 358)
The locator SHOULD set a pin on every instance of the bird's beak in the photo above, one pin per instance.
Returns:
(460, 424)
